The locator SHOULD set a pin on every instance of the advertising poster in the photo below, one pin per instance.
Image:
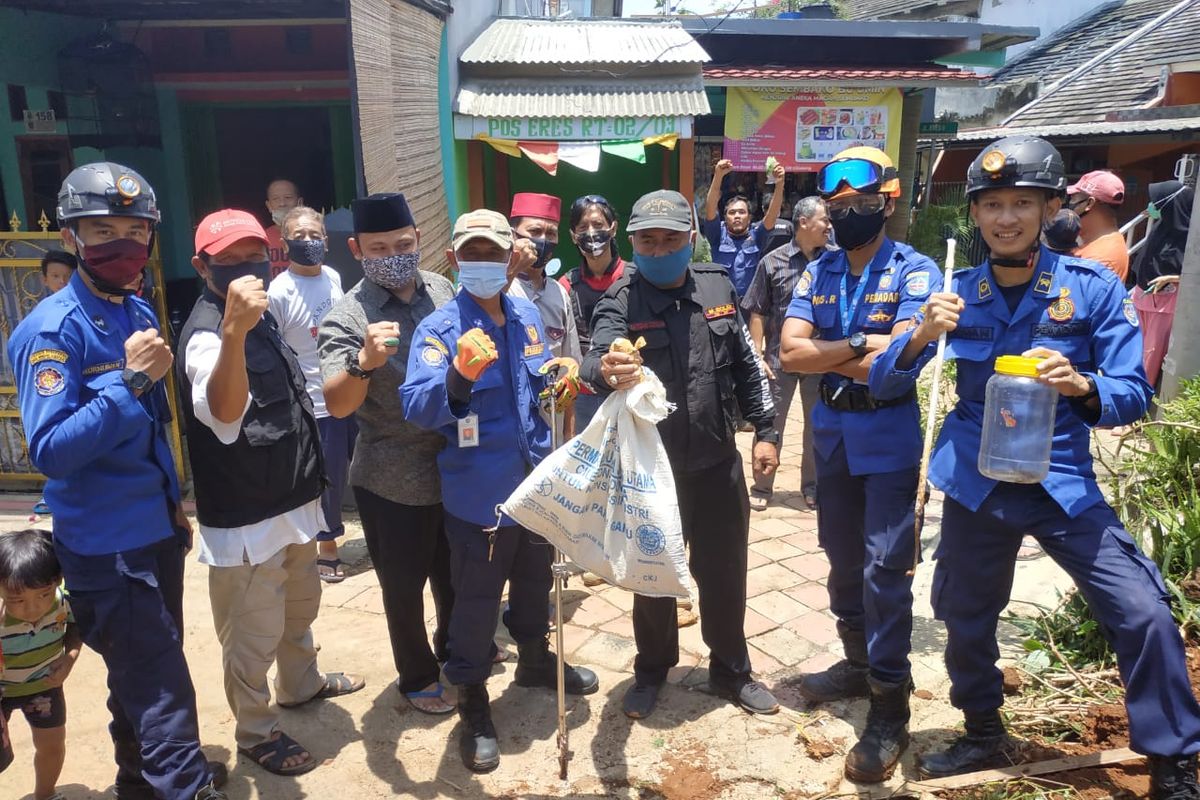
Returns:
(806, 127)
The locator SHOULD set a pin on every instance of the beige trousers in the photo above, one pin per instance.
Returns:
(263, 614)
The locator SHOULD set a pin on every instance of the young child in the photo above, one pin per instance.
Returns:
(57, 268)
(40, 643)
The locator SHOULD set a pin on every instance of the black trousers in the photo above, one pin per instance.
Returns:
(715, 511)
(408, 546)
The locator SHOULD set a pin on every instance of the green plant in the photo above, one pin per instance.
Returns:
(1156, 492)
(931, 224)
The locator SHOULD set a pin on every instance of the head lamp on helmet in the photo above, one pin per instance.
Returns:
(1015, 162)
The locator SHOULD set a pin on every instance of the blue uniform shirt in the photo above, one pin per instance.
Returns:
(738, 255)
(513, 438)
(104, 451)
(1075, 306)
(897, 282)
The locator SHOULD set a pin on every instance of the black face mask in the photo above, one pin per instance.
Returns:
(594, 243)
(854, 231)
(545, 251)
(221, 275)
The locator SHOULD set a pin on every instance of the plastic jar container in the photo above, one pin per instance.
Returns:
(1018, 423)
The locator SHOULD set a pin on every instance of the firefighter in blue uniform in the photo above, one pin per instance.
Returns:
(1076, 316)
(89, 363)
(477, 373)
(846, 307)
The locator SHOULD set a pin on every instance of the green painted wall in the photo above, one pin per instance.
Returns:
(454, 153)
(33, 64)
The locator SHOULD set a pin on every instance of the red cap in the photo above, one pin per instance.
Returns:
(541, 206)
(1102, 185)
(222, 228)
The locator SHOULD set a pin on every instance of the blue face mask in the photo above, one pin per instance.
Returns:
(483, 279)
(221, 275)
(664, 270)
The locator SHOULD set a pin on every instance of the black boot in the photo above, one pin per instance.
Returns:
(984, 739)
(537, 666)
(885, 738)
(846, 678)
(477, 742)
(1173, 778)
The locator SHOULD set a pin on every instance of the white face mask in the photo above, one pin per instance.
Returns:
(278, 215)
(483, 279)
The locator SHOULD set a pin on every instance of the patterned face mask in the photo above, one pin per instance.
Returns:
(392, 272)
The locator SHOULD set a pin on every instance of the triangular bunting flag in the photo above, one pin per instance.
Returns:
(544, 154)
(582, 155)
(667, 140)
(634, 151)
(506, 146)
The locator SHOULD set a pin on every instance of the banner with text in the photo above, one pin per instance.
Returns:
(806, 127)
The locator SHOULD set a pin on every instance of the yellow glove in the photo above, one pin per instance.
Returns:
(566, 388)
(475, 352)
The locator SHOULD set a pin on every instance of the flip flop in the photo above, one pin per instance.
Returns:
(336, 685)
(435, 693)
(271, 754)
(335, 572)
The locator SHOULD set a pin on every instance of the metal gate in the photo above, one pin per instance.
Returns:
(20, 290)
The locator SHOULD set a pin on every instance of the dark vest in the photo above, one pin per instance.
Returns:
(692, 341)
(276, 463)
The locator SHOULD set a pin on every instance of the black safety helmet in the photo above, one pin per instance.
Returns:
(1018, 161)
(105, 189)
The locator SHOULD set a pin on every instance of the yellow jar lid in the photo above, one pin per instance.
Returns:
(1018, 365)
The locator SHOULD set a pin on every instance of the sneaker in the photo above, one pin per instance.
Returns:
(759, 502)
(749, 694)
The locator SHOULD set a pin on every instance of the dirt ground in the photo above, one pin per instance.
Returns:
(695, 747)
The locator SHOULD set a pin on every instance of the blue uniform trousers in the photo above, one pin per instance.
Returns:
(865, 526)
(129, 608)
(973, 580)
(337, 444)
(520, 557)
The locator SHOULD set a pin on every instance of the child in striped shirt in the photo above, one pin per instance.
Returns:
(40, 643)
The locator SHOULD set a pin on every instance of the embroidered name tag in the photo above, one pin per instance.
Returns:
(716, 312)
(648, 325)
(980, 334)
(99, 369)
(1061, 330)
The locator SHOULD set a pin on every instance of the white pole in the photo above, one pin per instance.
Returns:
(935, 391)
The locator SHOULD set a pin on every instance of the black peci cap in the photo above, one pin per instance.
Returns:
(380, 213)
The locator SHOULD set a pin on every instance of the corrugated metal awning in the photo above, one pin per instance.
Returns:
(550, 41)
(1115, 128)
(592, 98)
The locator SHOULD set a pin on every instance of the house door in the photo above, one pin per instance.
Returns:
(45, 161)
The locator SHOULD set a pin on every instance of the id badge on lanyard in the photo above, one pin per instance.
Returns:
(848, 312)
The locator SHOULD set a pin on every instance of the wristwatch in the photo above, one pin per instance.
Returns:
(858, 343)
(771, 437)
(1093, 390)
(138, 382)
(356, 371)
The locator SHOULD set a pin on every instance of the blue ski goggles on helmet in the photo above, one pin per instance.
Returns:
(865, 177)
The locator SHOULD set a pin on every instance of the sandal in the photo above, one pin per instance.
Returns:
(336, 684)
(435, 693)
(271, 754)
(330, 570)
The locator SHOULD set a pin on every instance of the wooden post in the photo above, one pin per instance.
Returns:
(910, 123)
(687, 169)
(475, 173)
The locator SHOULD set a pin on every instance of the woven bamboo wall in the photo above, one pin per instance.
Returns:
(395, 49)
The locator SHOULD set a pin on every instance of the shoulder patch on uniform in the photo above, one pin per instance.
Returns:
(49, 380)
(917, 282)
(47, 354)
(1130, 312)
(1044, 282)
(433, 356)
(805, 284)
(433, 341)
(717, 312)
